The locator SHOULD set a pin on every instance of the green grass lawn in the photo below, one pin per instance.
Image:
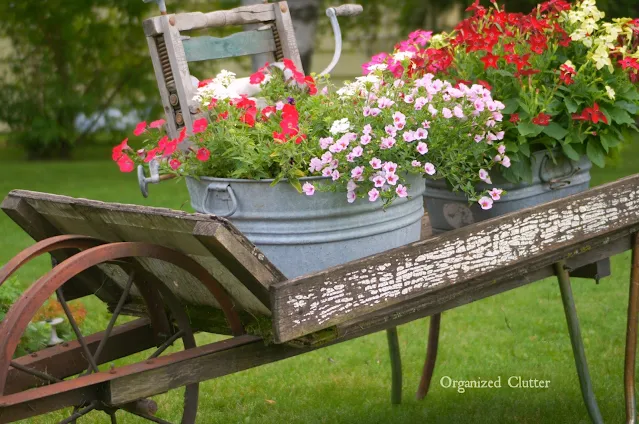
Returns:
(518, 333)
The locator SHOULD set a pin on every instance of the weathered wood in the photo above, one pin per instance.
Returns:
(198, 20)
(286, 32)
(39, 228)
(181, 74)
(239, 44)
(348, 10)
(505, 247)
(239, 266)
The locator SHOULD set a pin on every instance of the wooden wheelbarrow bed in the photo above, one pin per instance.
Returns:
(303, 314)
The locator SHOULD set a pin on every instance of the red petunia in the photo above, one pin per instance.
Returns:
(312, 87)
(593, 114)
(163, 142)
(203, 154)
(126, 164)
(223, 116)
(212, 103)
(139, 128)
(538, 43)
(566, 74)
(182, 135)
(118, 150)
(485, 84)
(490, 60)
(257, 78)
(151, 154)
(200, 125)
(288, 64)
(267, 112)
(249, 116)
(629, 62)
(204, 83)
(542, 119)
(174, 164)
(170, 148)
(514, 118)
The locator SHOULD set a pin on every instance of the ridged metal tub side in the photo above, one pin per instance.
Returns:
(448, 210)
(302, 234)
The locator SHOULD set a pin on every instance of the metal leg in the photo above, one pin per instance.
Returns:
(631, 336)
(577, 343)
(396, 365)
(431, 356)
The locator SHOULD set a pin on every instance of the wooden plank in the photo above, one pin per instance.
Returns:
(456, 295)
(198, 20)
(39, 228)
(239, 44)
(195, 365)
(239, 266)
(518, 242)
(284, 26)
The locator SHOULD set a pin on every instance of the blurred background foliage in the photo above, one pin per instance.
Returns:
(78, 72)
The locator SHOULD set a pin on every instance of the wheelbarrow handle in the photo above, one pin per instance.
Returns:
(348, 10)
(333, 13)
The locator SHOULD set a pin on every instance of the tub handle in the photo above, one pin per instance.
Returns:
(215, 186)
(557, 182)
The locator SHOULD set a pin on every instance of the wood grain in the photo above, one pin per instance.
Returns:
(237, 264)
(515, 244)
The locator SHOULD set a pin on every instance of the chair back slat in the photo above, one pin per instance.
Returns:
(239, 44)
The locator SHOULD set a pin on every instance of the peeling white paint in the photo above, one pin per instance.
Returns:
(480, 252)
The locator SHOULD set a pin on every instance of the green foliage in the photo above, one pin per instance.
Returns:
(37, 334)
(68, 58)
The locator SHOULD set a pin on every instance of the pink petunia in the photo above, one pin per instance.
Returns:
(308, 189)
(379, 181)
(483, 175)
(422, 148)
(392, 179)
(376, 163)
(505, 161)
(429, 168)
(446, 113)
(373, 195)
(351, 196)
(203, 154)
(365, 139)
(485, 203)
(401, 191)
(495, 193)
(357, 172)
(174, 164)
(501, 149)
(416, 163)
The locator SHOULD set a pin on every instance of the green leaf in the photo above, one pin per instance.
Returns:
(523, 106)
(511, 106)
(524, 148)
(570, 152)
(555, 131)
(571, 105)
(631, 94)
(609, 140)
(631, 108)
(596, 153)
(295, 183)
(620, 116)
(529, 129)
(504, 73)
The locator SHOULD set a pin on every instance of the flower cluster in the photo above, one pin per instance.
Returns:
(567, 78)
(389, 128)
(365, 137)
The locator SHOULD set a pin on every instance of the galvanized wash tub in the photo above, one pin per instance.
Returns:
(448, 210)
(302, 234)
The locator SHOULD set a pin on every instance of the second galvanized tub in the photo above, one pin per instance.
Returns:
(302, 234)
(448, 210)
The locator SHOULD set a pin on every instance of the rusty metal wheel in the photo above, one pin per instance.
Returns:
(35, 384)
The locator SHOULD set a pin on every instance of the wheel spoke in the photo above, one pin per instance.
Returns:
(114, 317)
(41, 375)
(148, 417)
(78, 414)
(167, 344)
(76, 330)
(114, 420)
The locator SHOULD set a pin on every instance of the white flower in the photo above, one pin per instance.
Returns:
(399, 56)
(377, 67)
(611, 92)
(340, 126)
(368, 79)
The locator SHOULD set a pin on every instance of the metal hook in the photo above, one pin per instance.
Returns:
(337, 32)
